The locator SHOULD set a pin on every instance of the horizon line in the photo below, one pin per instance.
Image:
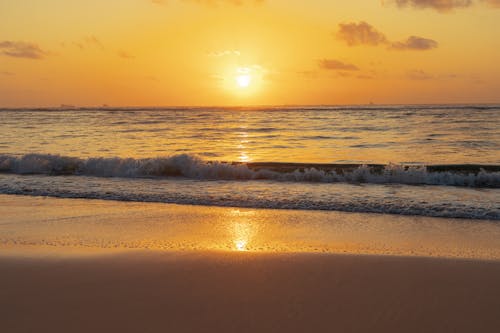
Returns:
(104, 106)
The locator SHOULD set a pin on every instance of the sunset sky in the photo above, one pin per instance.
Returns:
(248, 52)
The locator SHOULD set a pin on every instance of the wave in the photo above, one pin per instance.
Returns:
(193, 167)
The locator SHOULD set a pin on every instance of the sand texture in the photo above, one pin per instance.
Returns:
(242, 292)
(70, 265)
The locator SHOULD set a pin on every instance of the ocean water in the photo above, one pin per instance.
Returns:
(436, 160)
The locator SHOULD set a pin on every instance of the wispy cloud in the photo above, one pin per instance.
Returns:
(224, 53)
(363, 33)
(415, 43)
(344, 70)
(308, 74)
(365, 77)
(439, 5)
(124, 55)
(21, 50)
(442, 6)
(213, 3)
(232, 2)
(93, 41)
(331, 64)
(419, 74)
(493, 3)
(7, 73)
(86, 42)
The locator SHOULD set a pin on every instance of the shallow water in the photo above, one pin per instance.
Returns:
(437, 201)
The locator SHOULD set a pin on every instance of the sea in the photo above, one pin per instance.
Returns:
(421, 160)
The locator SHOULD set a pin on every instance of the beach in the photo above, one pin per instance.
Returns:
(227, 292)
(57, 276)
(235, 166)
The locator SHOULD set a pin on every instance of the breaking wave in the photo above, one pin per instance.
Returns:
(193, 167)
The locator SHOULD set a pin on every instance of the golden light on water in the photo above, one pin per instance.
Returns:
(243, 157)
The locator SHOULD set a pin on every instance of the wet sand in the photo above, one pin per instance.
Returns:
(82, 225)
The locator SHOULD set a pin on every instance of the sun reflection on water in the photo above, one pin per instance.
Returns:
(243, 157)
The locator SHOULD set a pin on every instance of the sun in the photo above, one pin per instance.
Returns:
(243, 77)
(243, 80)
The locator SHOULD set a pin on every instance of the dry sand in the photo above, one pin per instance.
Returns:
(244, 292)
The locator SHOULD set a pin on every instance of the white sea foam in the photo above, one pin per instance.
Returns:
(193, 167)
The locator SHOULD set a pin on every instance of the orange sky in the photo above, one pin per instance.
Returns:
(248, 52)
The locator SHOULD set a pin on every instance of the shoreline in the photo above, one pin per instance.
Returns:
(83, 225)
(47, 224)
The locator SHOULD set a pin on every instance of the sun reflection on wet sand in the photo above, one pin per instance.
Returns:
(243, 229)
(241, 245)
(81, 226)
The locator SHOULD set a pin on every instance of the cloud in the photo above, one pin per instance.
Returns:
(78, 44)
(341, 69)
(124, 55)
(308, 74)
(344, 74)
(86, 42)
(415, 43)
(493, 3)
(330, 64)
(213, 2)
(93, 41)
(442, 6)
(439, 5)
(365, 77)
(419, 74)
(7, 73)
(224, 53)
(360, 33)
(232, 2)
(21, 50)
(363, 33)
